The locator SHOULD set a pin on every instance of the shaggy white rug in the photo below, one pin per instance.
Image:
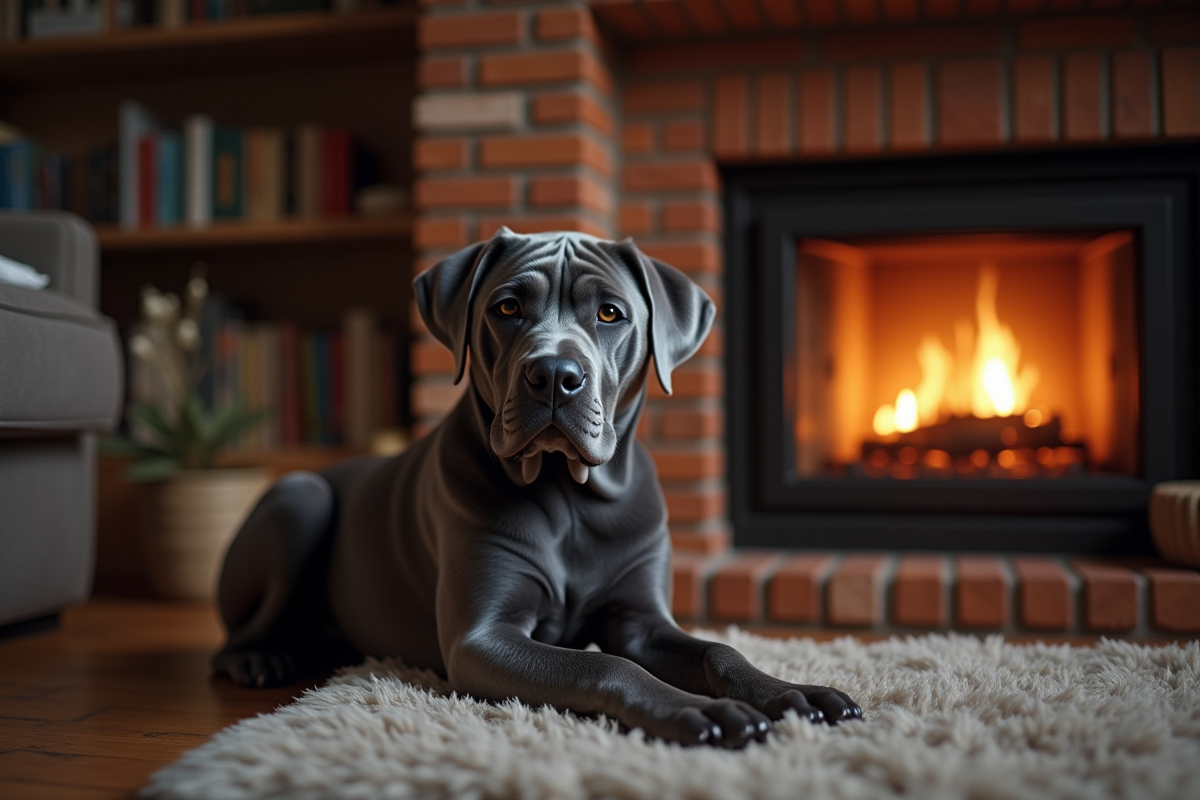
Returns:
(945, 717)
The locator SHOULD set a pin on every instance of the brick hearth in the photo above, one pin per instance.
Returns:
(611, 118)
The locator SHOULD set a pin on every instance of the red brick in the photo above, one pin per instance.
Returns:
(515, 69)
(1175, 27)
(569, 190)
(689, 257)
(433, 398)
(731, 117)
(708, 541)
(675, 464)
(658, 98)
(1110, 596)
(670, 176)
(683, 134)
(431, 358)
(862, 107)
(561, 107)
(714, 345)
(694, 506)
(862, 12)
(853, 595)
(668, 18)
(555, 24)
(1181, 91)
(1044, 594)
(429, 232)
(1082, 98)
(690, 382)
(690, 215)
(1132, 86)
(465, 192)
(555, 150)
(1175, 599)
(943, 40)
(909, 106)
(969, 104)
(773, 125)
(981, 592)
(688, 575)
(674, 58)
(1077, 31)
(1036, 99)
(900, 10)
(441, 72)
(637, 137)
(439, 153)
(735, 590)
(816, 112)
(645, 427)
(743, 15)
(635, 218)
(468, 30)
(781, 14)
(684, 423)
(919, 592)
(566, 222)
(794, 592)
(821, 13)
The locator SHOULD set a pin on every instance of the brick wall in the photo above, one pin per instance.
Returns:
(612, 118)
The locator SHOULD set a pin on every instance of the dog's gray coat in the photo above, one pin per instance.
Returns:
(526, 526)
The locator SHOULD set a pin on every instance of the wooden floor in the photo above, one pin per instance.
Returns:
(121, 688)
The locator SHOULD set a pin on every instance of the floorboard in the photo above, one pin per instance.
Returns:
(89, 710)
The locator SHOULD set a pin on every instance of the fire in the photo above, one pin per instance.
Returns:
(985, 379)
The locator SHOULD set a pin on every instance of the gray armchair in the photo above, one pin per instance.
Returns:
(61, 382)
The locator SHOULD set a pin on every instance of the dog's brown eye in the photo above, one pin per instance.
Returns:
(608, 313)
(508, 308)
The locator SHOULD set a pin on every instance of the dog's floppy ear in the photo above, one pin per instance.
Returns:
(444, 294)
(681, 314)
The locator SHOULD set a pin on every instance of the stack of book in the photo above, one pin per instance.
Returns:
(210, 171)
(327, 388)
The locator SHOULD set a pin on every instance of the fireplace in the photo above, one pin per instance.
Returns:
(961, 352)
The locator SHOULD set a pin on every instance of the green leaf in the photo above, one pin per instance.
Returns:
(152, 469)
(129, 448)
(193, 430)
(229, 423)
(151, 417)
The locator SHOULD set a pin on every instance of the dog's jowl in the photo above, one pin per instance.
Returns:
(526, 526)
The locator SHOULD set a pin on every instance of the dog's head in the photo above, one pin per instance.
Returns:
(561, 327)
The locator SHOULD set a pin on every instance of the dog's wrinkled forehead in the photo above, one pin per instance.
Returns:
(566, 269)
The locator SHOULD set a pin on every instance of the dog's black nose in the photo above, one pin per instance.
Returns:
(555, 379)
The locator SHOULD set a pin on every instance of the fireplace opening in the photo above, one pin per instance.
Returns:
(961, 352)
(1008, 356)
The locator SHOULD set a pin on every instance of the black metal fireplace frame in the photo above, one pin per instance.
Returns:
(1153, 190)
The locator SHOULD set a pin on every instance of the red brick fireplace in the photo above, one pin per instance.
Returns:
(618, 118)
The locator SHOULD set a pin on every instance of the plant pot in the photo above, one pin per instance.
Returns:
(188, 522)
(1175, 521)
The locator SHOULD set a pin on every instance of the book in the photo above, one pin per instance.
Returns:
(73, 18)
(134, 123)
(172, 13)
(336, 166)
(19, 178)
(306, 166)
(147, 190)
(228, 181)
(359, 328)
(169, 195)
(198, 181)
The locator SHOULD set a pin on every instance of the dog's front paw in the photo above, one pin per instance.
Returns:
(702, 720)
(259, 669)
(814, 703)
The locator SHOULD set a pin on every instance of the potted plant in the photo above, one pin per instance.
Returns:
(190, 507)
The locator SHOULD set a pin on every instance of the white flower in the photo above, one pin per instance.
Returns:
(141, 346)
(187, 333)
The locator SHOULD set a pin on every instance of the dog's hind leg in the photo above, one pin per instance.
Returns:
(272, 586)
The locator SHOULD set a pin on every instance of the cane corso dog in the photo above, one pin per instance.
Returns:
(526, 526)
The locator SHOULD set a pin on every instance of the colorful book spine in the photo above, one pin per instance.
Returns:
(169, 198)
(228, 173)
(147, 192)
(134, 123)
(198, 158)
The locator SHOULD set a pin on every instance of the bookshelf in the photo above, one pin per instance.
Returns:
(115, 240)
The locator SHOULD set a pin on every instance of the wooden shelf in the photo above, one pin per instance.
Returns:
(211, 46)
(241, 234)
